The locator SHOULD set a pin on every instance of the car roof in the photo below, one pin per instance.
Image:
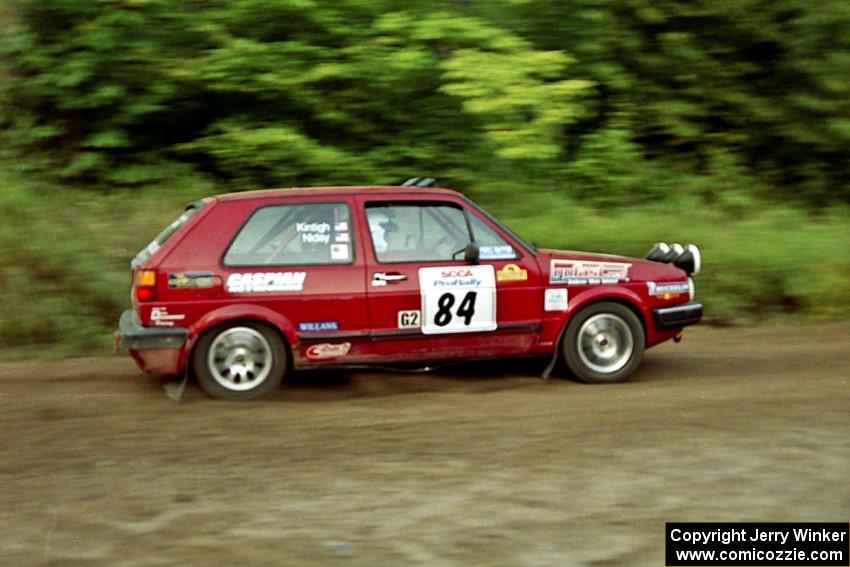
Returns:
(313, 191)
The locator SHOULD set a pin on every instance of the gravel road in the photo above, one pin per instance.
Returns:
(478, 465)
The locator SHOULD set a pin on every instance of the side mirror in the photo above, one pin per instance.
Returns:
(471, 254)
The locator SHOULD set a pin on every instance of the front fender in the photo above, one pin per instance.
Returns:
(597, 293)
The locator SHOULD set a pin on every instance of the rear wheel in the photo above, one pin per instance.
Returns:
(604, 342)
(243, 361)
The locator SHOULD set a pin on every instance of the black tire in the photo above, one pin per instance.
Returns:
(603, 343)
(240, 361)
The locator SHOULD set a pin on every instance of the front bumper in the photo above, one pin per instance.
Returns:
(155, 349)
(677, 316)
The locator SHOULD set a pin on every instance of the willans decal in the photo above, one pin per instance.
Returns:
(318, 326)
(579, 272)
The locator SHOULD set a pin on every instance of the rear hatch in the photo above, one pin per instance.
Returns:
(143, 278)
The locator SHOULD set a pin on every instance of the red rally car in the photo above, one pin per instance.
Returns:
(245, 287)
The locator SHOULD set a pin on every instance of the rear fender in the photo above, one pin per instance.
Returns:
(235, 313)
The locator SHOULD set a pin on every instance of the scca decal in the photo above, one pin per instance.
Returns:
(456, 273)
(461, 277)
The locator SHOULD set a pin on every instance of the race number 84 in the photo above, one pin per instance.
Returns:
(458, 299)
(466, 309)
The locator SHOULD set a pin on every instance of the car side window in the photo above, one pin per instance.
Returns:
(491, 246)
(300, 234)
(416, 232)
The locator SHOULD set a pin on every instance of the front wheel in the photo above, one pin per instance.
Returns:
(244, 361)
(604, 342)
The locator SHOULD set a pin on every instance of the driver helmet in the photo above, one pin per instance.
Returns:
(381, 224)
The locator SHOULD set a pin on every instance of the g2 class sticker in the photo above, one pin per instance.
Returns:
(325, 351)
(318, 326)
(409, 319)
(511, 273)
(191, 280)
(675, 288)
(580, 272)
(555, 299)
(162, 318)
(264, 282)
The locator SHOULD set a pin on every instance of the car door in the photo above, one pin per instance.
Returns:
(426, 302)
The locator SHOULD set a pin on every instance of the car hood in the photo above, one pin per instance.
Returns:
(638, 269)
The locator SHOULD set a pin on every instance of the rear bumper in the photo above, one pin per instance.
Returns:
(155, 349)
(677, 316)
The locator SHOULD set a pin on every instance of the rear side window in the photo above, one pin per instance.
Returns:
(303, 234)
(166, 233)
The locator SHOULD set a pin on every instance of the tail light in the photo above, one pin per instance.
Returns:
(144, 288)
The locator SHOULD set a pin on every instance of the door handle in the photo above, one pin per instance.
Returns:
(388, 277)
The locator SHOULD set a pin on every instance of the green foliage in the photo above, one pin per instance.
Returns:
(609, 101)
(604, 125)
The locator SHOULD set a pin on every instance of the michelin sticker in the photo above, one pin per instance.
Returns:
(555, 299)
(458, 299)
(264, 282)
(675, 288)
(579, 272)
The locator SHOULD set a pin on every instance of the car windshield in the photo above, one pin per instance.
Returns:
(166, 233)
(532, 248)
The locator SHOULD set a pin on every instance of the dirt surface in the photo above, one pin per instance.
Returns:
(480, 465)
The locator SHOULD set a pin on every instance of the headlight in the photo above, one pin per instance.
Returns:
(658, 251)
(689, 260)
(691, 289)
